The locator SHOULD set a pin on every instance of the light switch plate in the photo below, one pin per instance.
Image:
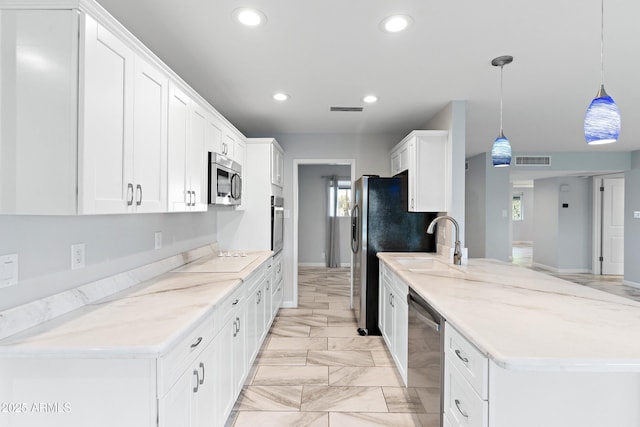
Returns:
(158, 239)
(636, 214)
(8, 270)
(77, 256)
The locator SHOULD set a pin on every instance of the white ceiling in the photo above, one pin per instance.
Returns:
(331, 53)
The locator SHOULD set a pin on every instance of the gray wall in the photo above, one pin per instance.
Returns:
(563, 239)
(114, 243)
(631, 225)
(475, 206)
(312, 215)
(371, 154)
(523, 231)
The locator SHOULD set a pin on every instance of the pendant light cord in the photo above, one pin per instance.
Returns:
(602, 43)
(501, 68)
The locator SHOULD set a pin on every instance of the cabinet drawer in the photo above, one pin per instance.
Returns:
(462, 405)
(254, 280)
(277, 268)
(472, 364)
(228, 306)
(182, 355)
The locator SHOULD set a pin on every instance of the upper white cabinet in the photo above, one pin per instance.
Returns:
(425, 157)
(187, 160)
(110, 137)
(277, 165)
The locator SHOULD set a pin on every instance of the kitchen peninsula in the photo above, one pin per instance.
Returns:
(549, 352)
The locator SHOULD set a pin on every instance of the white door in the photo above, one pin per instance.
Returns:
(197, 162)
(106, 158)
(613, 226)
(150, 138)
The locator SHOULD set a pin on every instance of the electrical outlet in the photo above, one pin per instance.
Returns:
(8, 270)
(636, 214)
(322, 255)
(158, 239)
(77, 256)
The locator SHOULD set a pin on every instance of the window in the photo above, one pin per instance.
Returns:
(516, 207)
(344, 199)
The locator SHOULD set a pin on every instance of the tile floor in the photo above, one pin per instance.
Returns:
(315, 370)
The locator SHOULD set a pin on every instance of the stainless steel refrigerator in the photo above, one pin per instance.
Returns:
(380, 222)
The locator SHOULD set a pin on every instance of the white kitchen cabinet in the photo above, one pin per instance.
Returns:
(425, 157)
(100, 99)
(393, 317)
(277, 165)
(255, 314)
(191, 400)
(187, 159)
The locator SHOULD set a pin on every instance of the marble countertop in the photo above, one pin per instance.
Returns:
(143, 321)
(523, 319)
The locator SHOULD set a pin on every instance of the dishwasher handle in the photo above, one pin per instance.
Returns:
(432, 320)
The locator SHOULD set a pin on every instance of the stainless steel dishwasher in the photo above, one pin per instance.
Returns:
(425, 356)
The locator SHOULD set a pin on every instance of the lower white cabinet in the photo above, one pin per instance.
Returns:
(393, 317)
(191, 400)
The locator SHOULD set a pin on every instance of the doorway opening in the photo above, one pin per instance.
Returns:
(312, 195)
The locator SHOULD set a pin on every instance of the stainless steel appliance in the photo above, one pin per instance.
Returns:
(380, 222)
(225, 180)
(425, 355)
(277, 223)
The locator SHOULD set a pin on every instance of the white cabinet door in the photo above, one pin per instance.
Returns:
(177, 149)
(213, 136)
(277, 166)
(106, 128)
(225, 383)
(240, 357)
(401, 333)
(150, 107)
(261, 317)
(204, 409)
(197, 160)
(175, 406)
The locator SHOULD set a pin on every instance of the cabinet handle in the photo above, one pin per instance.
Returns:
(279, 267)
(202, 379)
(461, 357)
(460, 409)
(236, 302)
(268, 285)
(391, 300)
(235, 329)
(139, 193)
(188, 197)
(192, 198)
(197, 343)
(129, 194)
(238, 324)
(195, 389)
(412, 203)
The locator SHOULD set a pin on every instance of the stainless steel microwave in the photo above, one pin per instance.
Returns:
(225, 180)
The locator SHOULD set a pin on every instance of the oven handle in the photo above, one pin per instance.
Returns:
(423, 314)
(355, 216)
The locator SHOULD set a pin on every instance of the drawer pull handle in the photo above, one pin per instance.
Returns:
(235, 328)
(198, 341)
(464, 359)
(235, 302)
(195, 389)
(202, 366)
(460, 410)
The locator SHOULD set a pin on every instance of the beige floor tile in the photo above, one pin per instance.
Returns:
(282, 357)
(285, 343)
(382, 358)
(313, 305)
(340, 358)
(332, 298)
(284, 330)
(333, 331)
(284, 312)
(282, 419)
(403, 399)
(430, 399)
(342, 305)
(306, 299)
(272, 398)
(357, 343)
(291, 375)
(344, 399)
(313, 320)
(337, 419)
(364, 376)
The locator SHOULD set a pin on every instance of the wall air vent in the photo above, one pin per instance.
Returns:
(346, 109)
(533, 160)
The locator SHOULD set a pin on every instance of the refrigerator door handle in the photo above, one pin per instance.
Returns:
(355, 213)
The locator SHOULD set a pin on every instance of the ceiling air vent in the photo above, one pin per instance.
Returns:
(345, 109)
(533, 160)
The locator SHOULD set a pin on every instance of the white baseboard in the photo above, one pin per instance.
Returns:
(562, 270)
(288, 304)
(321, 264)
(630, 283)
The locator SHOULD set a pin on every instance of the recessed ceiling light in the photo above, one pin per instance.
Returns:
(249, 17)
(370, 99)
(280, 96)
(395, 23)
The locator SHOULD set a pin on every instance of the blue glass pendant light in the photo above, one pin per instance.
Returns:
(602, 120)
(501, 150)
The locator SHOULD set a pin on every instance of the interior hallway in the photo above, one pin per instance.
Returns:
(315, 370)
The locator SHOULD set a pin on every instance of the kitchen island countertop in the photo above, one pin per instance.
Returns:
(523, 319)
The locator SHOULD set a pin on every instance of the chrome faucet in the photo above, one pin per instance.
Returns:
(457, 253)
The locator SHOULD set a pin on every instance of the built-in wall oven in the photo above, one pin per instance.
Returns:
(277, 223)
(225, 180)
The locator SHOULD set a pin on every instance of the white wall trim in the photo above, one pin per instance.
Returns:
(296, 165)
(630, 283)
(322, 264)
